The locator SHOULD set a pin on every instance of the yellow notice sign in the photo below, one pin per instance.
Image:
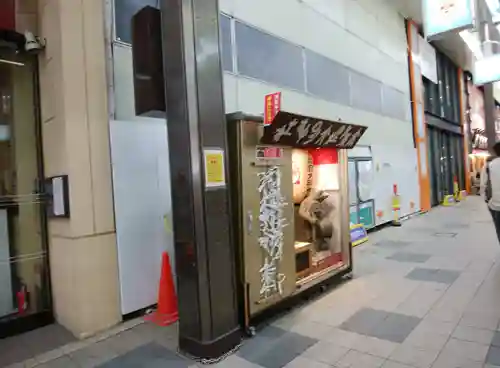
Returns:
(214, 168)
(166, 224)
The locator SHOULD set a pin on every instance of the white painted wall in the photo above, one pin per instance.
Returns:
(367, 36)
(141, 189)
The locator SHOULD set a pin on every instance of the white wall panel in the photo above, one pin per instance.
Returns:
(123, 82)
(395, 164)
(362, 23)
(142, 199)
(250, 99)
(334, 10)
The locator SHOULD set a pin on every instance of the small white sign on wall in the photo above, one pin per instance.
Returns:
(427, 60)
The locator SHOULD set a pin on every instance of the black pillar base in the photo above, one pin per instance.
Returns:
(210, 349)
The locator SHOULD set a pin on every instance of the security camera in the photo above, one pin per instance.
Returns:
(32, 43)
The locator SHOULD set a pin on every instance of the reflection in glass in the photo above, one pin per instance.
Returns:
(353, 186)
(365, 180)
(318, 242)
(23, 267)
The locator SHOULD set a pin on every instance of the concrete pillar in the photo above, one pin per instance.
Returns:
(74, 113)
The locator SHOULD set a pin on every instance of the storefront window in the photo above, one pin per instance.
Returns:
(441, 99)
(317, 203)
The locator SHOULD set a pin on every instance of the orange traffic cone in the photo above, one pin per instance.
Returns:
(167, 312)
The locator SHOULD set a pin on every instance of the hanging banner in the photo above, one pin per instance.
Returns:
(299, 131)
(443, 16)
(272, 107)
(427, 60)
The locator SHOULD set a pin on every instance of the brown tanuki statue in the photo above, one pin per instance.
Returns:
(318, 209)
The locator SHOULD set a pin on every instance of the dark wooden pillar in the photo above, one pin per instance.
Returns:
(208, 307)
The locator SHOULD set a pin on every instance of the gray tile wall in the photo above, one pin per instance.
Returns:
(327, 78)
(271, 59)
(227, 44)
(268, 58)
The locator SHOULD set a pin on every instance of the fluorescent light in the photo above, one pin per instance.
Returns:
(10, 62)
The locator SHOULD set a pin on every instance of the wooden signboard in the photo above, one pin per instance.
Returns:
(299, 131)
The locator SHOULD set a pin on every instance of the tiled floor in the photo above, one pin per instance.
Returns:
(409, 257)
(34, 343)
(426, 295)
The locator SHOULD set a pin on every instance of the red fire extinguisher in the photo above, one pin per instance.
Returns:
(22, 300)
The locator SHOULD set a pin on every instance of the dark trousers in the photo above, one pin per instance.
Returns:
(496, 221)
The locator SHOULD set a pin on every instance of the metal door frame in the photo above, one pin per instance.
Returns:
(359, 202)
(13, 326)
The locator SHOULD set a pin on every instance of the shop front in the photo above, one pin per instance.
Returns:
(291, 205)
(445, 158)
(24, 276)
(478, 141)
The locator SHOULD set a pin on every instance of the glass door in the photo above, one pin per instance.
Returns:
(24, 275)
(440, 166)
(431, 151)
(362, 205)
(446, 159)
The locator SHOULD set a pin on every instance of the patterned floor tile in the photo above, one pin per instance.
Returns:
(301, 362)
(409, 257)
(414, 357)
(364, 321)
(326, 352)
(263, 341)
(433, 275)
(392, 243)
(467, 350)
(356, 359)
(150, 355)
(479, 335)
(383, 325)
(496, 339)
(396, 327)
(283, 351)
(445, 235)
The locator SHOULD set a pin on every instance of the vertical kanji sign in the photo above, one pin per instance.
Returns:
(272, 107)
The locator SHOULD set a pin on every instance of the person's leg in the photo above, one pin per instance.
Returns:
(496, 222)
